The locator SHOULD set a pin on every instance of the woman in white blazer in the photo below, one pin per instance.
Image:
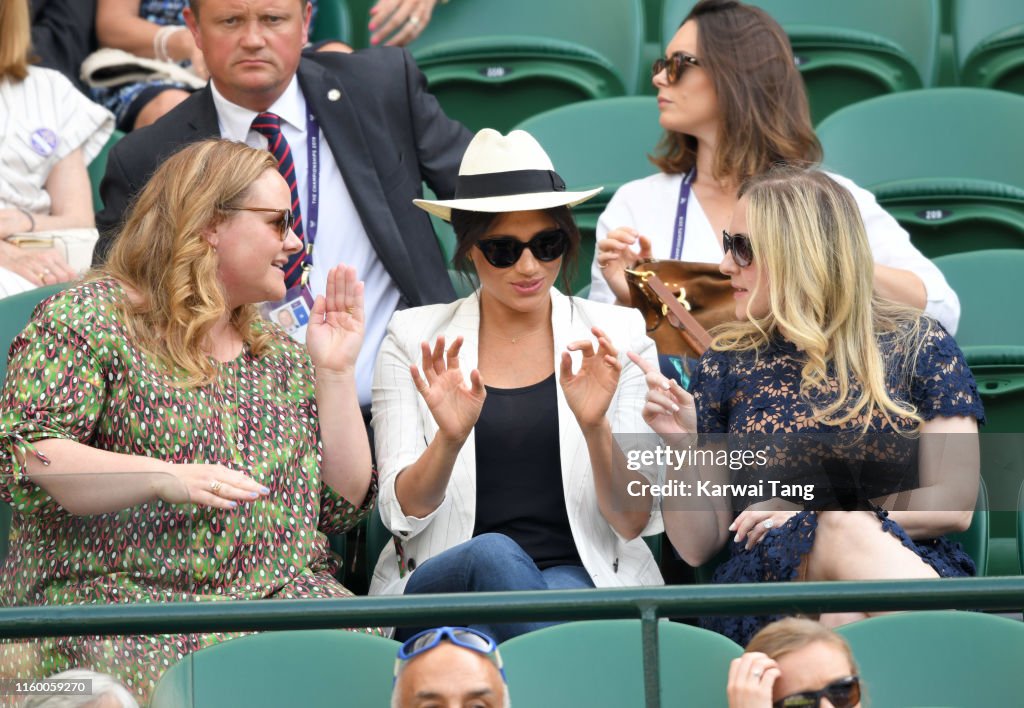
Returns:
(494, 416)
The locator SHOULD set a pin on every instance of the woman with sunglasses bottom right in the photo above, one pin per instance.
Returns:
(493, 416)
(836, 381)
(732, 104)
(795, 663)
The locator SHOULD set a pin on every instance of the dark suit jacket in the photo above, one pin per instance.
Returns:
(387, 134)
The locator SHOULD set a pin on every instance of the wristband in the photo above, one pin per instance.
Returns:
(31, 219)
(161, 39)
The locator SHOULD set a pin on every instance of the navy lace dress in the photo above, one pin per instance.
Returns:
(740, 393)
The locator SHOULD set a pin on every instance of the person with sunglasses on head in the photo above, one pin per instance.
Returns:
(493, 416)
(732, 104)
(450, 667)
(795, 663)
(164, 442)
(865, 399)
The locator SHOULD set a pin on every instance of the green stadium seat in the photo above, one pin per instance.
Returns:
(492, 64)
(989, 39)
(938, 659)
(945, 162)
(849, 51)
(983, 280)
(568, 665)
(1020, 527)
(316, 668)
(98, 167)
(601, 143)
(377, 537)
(332, 21)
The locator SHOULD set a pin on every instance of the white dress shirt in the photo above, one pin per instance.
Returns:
(340, 236)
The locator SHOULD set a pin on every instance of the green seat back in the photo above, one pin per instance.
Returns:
(15, 312)
(938, 658)
(983, 280)
(599, 663)
(850, 51)
(332, 21)
(492, 63)
(619, 134)
(945, 162)
(1020, 526)
(307, 668)
(98, 167)
(989, 38)
(377, 537)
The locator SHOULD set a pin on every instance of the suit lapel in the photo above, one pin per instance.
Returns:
(331, 104)
(203, 120)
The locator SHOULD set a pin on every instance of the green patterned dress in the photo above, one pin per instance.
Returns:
(75, 374)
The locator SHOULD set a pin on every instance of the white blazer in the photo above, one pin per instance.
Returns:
(403, 427)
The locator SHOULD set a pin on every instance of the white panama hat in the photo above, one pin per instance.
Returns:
(501, 173)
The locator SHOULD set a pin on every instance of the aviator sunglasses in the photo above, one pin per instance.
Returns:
(739, 244)
(506, 251)
(284, 222)
(844, 693)
(459, 636)
(674, 66)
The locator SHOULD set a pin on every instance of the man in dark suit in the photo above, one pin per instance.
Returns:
(384, 133)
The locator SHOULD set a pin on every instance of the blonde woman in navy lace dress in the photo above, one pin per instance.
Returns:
(816, 352)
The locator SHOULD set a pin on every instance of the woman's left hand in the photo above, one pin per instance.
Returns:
(589, 391)
(754, 523)
(399, 21)
(337, 322)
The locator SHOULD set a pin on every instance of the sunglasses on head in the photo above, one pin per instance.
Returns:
(284, 222)
(739, 244)
(506, 251)
(844, 693)
(673, 66)
(459, 636)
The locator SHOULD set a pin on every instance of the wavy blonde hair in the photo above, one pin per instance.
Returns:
(163, 254)
(15, 39)
(808, 236)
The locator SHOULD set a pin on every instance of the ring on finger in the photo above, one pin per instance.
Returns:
(215, 486)
(757, 673)
(414, 21)
(768, 524)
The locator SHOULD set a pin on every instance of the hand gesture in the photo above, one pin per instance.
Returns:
(39, 266)
(404, 18)
(589, 391)
(454, 405)
(615, 255)
(669, 409)
(757, 520)
(215, 486)
(751, 679)
(336, 322)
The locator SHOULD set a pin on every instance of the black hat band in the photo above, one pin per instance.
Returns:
(503, 184)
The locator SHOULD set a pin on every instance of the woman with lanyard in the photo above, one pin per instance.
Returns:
(733, 104)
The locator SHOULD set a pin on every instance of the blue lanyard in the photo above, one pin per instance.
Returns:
(684, 197)
(313, 178)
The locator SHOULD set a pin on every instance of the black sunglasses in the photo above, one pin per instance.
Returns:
(284, 222)
(844, 693)
(506, 251)
(675, 66)
(739, 244)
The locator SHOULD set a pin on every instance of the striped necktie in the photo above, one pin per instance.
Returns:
(269, 126)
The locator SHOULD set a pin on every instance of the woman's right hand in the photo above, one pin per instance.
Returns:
(454, 405)
(615, 255)
(215, 486)
(669, 409)
(751, 679)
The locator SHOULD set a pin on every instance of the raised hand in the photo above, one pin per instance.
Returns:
(751, 680)
(669, 409)
(454, 405)
(215, 486)
(615, 255)
(589, 391)
(337, 322)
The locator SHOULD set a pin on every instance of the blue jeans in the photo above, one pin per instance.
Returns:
(491, 562)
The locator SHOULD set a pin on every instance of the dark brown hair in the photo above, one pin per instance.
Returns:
(471, 226)
(765, 118)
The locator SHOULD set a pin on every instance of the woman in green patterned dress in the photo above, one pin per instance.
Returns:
(161, 442)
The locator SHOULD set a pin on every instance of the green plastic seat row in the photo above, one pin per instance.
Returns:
(989, 40)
